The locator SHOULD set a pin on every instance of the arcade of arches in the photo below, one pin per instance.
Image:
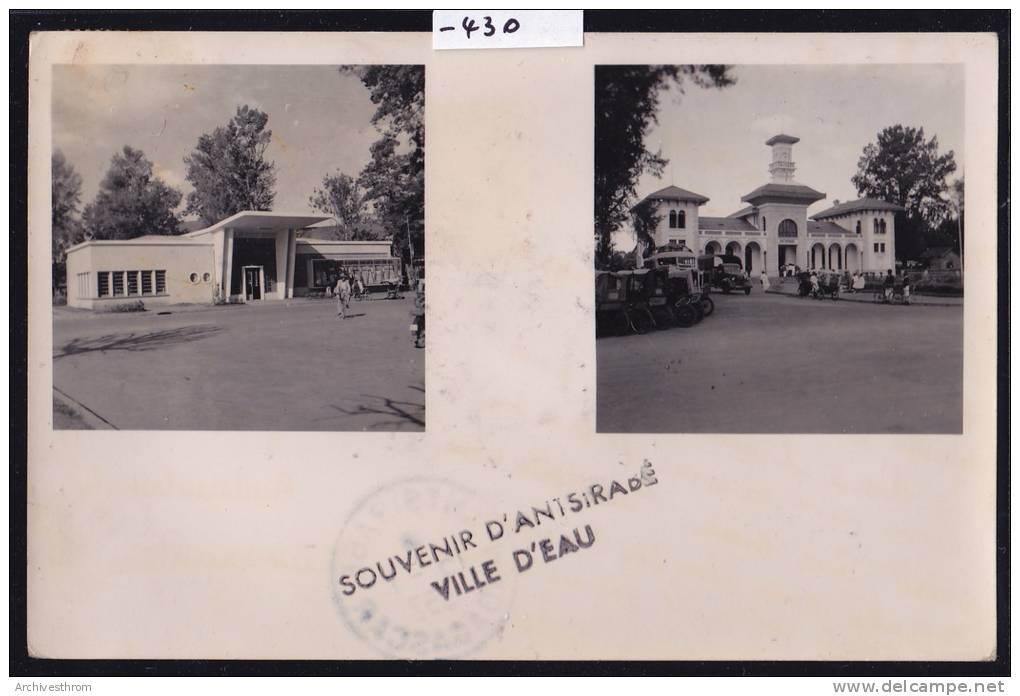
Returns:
(834, 256)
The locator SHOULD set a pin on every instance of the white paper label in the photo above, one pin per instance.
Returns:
(507, 28)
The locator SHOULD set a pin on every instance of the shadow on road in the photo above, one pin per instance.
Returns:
(401, 412)
(136, 342)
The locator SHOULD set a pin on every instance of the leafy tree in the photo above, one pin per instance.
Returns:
(950, 232)
(903, 167)
(394, 179)
(645, 218)
(343, 198)
(957, 200)
(626, 107)
(228, 168)
(66, 193)
(131, 201)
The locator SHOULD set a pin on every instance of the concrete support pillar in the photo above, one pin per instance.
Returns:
(282, 255)
(228, 261)
(291, 261)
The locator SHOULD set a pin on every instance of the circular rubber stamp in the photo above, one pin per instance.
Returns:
(414, 574)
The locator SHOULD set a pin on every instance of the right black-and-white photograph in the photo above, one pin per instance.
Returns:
(779, 248)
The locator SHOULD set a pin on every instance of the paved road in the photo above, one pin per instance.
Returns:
(267, 366)
(774, 364)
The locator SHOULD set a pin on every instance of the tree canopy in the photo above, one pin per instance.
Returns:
(132, 201)
(394, 178)
(626, 107)
(66, 194)
(343, 198)
(903, 167)
(228, 168)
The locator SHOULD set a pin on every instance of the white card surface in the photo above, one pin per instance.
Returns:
(453, 29)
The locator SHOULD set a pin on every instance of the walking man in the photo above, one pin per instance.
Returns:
(343, 296)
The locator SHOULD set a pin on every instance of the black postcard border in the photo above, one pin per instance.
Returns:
(22, 23)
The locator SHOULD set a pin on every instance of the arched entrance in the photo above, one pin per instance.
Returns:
(835, 257)
(752, 256)
(817, 256)
(733, 248)
(713, 248)
(853, 258)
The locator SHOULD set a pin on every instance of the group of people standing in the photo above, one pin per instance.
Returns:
(857, 283)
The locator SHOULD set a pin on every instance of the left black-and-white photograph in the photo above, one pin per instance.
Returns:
(238, 247)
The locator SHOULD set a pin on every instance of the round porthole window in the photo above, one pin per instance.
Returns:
(193, 277)
(206, 277)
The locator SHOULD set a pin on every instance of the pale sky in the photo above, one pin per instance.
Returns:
(319, 119)
(715, 139)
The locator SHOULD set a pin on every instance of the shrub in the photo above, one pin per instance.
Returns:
(135, 306)
(939, 289)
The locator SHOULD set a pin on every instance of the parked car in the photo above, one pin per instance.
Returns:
(726, 272)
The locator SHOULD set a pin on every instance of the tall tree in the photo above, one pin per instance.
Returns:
(394, 179)
(903, 167)
(229, 170)
(341, 197)
(646, 218)
(626, 108)
(132, 201)
(66, 193)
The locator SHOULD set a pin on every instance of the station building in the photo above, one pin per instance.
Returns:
(774, 229)
(248, 257)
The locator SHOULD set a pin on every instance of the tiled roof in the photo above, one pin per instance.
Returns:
(782, 138)
(826, 228)
(859, 205)
(742, 212)
(675, 193)
(797, 192)
(723, 223)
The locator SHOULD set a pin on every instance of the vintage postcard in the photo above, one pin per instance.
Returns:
(710, 364)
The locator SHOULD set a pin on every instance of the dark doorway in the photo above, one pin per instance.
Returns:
(253, 282)
(254, 251)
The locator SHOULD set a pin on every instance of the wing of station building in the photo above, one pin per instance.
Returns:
(219, 262)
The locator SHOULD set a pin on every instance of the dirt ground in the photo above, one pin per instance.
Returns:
(769, 363)
(276, 365)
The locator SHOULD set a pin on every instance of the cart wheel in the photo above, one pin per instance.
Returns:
(699, 311)
(664, 318)
(707, 305)
(685, 316)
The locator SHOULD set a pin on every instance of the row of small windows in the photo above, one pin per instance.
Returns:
(879, 247)
(878, 226)
(677, 219)
(124, 283)
(787, 228)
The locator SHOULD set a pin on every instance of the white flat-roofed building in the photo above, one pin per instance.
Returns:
(250, 256)
(774, 228)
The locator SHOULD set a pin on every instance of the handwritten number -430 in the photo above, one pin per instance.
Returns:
(509, 27)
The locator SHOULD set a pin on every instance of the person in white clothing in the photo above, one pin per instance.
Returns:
(343, 296)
